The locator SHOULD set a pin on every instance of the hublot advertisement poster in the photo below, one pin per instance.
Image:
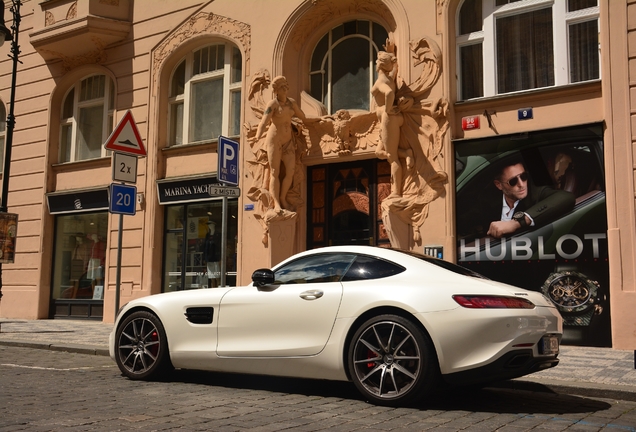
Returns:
(531, 212)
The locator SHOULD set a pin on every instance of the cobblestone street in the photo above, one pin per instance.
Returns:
(47, 390)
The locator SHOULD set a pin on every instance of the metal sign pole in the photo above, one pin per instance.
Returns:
(126, 145)
(224, 241)
(227, 173)
(118, 279)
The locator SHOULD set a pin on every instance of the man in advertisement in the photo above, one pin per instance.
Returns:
(521, 205)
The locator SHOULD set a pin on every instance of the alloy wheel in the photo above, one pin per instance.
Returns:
(139, 345)
(387, 360)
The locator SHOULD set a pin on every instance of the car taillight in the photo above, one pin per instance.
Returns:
(492, 302)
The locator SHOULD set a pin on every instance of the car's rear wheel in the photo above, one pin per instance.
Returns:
(392, 362)
(141, 346)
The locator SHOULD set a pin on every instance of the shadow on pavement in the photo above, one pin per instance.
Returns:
(584, 390)
(534, 399)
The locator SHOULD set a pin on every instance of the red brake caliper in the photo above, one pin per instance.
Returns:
(371, 355)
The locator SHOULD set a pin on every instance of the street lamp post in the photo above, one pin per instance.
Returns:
(9, 35)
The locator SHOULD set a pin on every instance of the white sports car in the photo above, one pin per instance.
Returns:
(395, 323)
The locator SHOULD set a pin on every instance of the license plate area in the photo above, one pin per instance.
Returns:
(549, 345)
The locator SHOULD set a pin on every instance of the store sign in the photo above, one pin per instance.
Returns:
(77, 201)
(195, 189)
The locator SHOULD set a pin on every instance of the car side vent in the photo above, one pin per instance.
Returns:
(199, 315)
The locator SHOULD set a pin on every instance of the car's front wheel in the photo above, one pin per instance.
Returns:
(392, 362)
(141, 346)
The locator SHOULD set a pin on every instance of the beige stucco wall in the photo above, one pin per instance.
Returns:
(279, 36)
(21, 281)
(618, 26)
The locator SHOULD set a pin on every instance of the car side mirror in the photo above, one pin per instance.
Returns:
(263, 277)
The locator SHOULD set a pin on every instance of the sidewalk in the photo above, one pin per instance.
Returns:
(604, 372)
(81, 336)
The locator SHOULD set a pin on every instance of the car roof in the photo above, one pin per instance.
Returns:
(409, 259)
(391, 254)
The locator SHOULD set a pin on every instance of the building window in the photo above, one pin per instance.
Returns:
(506, 46)
(80, 254)
(342, 69)
(205, 95)
(87, 119)
(193, 243)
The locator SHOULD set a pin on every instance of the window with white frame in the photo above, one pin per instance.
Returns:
(342, 69)
(506, 46)
(87, 119)
(205, 95)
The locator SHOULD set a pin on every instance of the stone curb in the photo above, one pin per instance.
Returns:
(74, 348)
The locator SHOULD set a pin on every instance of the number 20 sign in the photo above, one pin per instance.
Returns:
(123, 199)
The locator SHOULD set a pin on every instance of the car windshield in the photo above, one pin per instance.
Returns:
(444, 264)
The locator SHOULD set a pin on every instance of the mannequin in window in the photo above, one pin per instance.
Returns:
(97, 259)
(212, 255)
(77, 265)
(81, 252)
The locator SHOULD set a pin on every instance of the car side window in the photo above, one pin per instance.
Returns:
(314, 269)
(366, 267)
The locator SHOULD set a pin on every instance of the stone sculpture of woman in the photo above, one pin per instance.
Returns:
(280, 142)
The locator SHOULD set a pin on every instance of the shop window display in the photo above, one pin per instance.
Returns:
(193, 246)
(79, 259)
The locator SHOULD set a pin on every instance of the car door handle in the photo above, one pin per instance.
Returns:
(311, 294)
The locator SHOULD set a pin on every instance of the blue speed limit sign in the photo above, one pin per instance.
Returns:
(123, 199)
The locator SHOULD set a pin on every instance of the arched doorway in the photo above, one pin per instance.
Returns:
(344, 203)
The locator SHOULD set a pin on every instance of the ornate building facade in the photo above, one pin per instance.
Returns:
(382, 122)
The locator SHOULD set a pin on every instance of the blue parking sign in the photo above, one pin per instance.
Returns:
(228, 168)
(123, 199)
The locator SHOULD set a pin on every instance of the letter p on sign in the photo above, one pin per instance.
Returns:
(227, 170)
(228, 155)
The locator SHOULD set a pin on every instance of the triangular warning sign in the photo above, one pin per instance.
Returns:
(125, 138)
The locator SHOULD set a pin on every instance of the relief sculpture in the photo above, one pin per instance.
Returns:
(277, 144)
(412, 128)
(342, 133)
(404, 127)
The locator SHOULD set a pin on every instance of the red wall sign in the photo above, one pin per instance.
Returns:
(471, 122)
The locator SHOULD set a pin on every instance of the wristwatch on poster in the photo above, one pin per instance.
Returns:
(521, 218)
(575, 295)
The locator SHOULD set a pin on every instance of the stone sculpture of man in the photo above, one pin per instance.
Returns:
(388, 110)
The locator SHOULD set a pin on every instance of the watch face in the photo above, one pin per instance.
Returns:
(571, 291)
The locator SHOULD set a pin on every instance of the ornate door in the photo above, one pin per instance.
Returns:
(344, 203)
